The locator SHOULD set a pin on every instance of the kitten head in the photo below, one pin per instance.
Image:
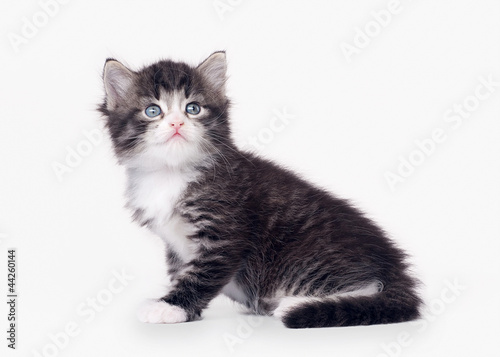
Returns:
(168, 114)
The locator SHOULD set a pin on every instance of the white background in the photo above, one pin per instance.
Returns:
(354, 119)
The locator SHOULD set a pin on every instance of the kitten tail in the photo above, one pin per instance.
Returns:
(393, 305)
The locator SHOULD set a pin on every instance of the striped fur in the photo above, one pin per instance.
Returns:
(238, 224)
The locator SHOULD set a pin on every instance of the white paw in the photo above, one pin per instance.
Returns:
(159, 312)
(288, 303)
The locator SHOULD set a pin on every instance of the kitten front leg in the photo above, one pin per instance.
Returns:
(160, 312)
(200, 281)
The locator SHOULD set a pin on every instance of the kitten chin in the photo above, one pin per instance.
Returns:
(175, 157)
(237, 224)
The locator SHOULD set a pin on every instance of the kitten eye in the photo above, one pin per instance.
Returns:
(193, 108)
(153, 111)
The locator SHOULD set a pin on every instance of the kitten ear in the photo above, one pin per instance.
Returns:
(213, 69)
(117, 82)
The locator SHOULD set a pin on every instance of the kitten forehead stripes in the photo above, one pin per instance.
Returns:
(168, 76)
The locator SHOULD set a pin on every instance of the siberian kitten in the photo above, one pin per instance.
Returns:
(235, 223)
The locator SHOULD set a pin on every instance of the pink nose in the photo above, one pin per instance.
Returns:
(176, 124)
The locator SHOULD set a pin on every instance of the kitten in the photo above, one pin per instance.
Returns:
(235, 223)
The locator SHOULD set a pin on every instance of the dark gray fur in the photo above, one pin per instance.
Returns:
(265, 227)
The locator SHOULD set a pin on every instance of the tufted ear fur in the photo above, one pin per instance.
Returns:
(213, 69)
(117, 82)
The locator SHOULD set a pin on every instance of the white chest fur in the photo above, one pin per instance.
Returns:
(156, 193)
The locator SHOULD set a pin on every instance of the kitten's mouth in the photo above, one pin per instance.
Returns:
(176, 136)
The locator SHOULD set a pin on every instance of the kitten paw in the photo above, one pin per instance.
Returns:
(160, 312)
(288, 303)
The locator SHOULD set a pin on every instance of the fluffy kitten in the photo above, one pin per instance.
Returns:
(235, 223)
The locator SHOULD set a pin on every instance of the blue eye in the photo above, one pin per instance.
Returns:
(193, 108)
(153, 111)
